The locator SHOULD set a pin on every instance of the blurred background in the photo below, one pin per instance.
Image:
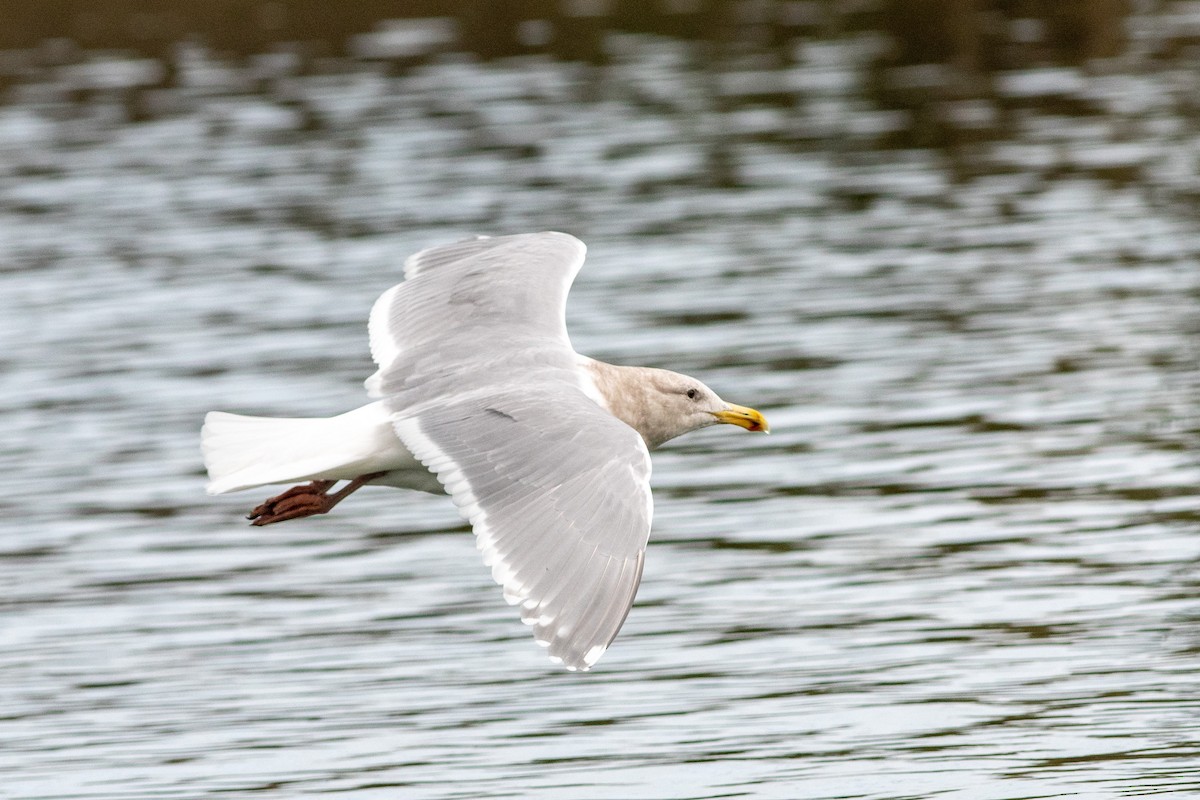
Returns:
(949, 247)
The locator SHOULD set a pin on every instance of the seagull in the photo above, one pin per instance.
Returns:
(480, 395)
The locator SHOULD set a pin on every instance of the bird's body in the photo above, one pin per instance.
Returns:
(480, 394)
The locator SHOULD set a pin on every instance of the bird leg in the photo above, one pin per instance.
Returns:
(306, 500)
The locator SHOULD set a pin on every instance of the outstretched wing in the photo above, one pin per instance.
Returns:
(456, 297)
(558, 493)
(486, 391)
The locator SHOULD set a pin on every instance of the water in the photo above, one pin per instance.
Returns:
(962, 566)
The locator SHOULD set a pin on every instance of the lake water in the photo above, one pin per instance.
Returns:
(961, 282)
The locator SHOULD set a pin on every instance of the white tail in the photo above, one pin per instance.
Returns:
(244, 452)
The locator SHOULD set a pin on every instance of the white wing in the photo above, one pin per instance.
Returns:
(558, 493)
(475, 289)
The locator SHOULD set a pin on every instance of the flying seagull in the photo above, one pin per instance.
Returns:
(480, 394)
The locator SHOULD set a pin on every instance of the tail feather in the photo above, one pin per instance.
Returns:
(242, 452)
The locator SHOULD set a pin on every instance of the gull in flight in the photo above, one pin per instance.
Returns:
(479, 394)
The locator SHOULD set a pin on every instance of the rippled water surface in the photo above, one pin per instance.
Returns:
(965, 293)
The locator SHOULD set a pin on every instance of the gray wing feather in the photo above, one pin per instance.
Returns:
(475, 363)
(475, 300)
(434, 257)
(560, 503)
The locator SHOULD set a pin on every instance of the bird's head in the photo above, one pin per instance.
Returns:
(675, 404)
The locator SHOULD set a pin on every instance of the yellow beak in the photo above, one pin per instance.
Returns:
(743, 417)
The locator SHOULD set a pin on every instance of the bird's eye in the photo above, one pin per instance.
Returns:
(691, 393)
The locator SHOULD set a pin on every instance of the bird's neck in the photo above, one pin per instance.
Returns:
(626, 393)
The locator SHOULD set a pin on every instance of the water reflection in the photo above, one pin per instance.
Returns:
(949, 249)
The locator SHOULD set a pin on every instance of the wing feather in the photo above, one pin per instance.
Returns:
(574, 580)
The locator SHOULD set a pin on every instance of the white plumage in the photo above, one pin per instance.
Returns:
(544, 451)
